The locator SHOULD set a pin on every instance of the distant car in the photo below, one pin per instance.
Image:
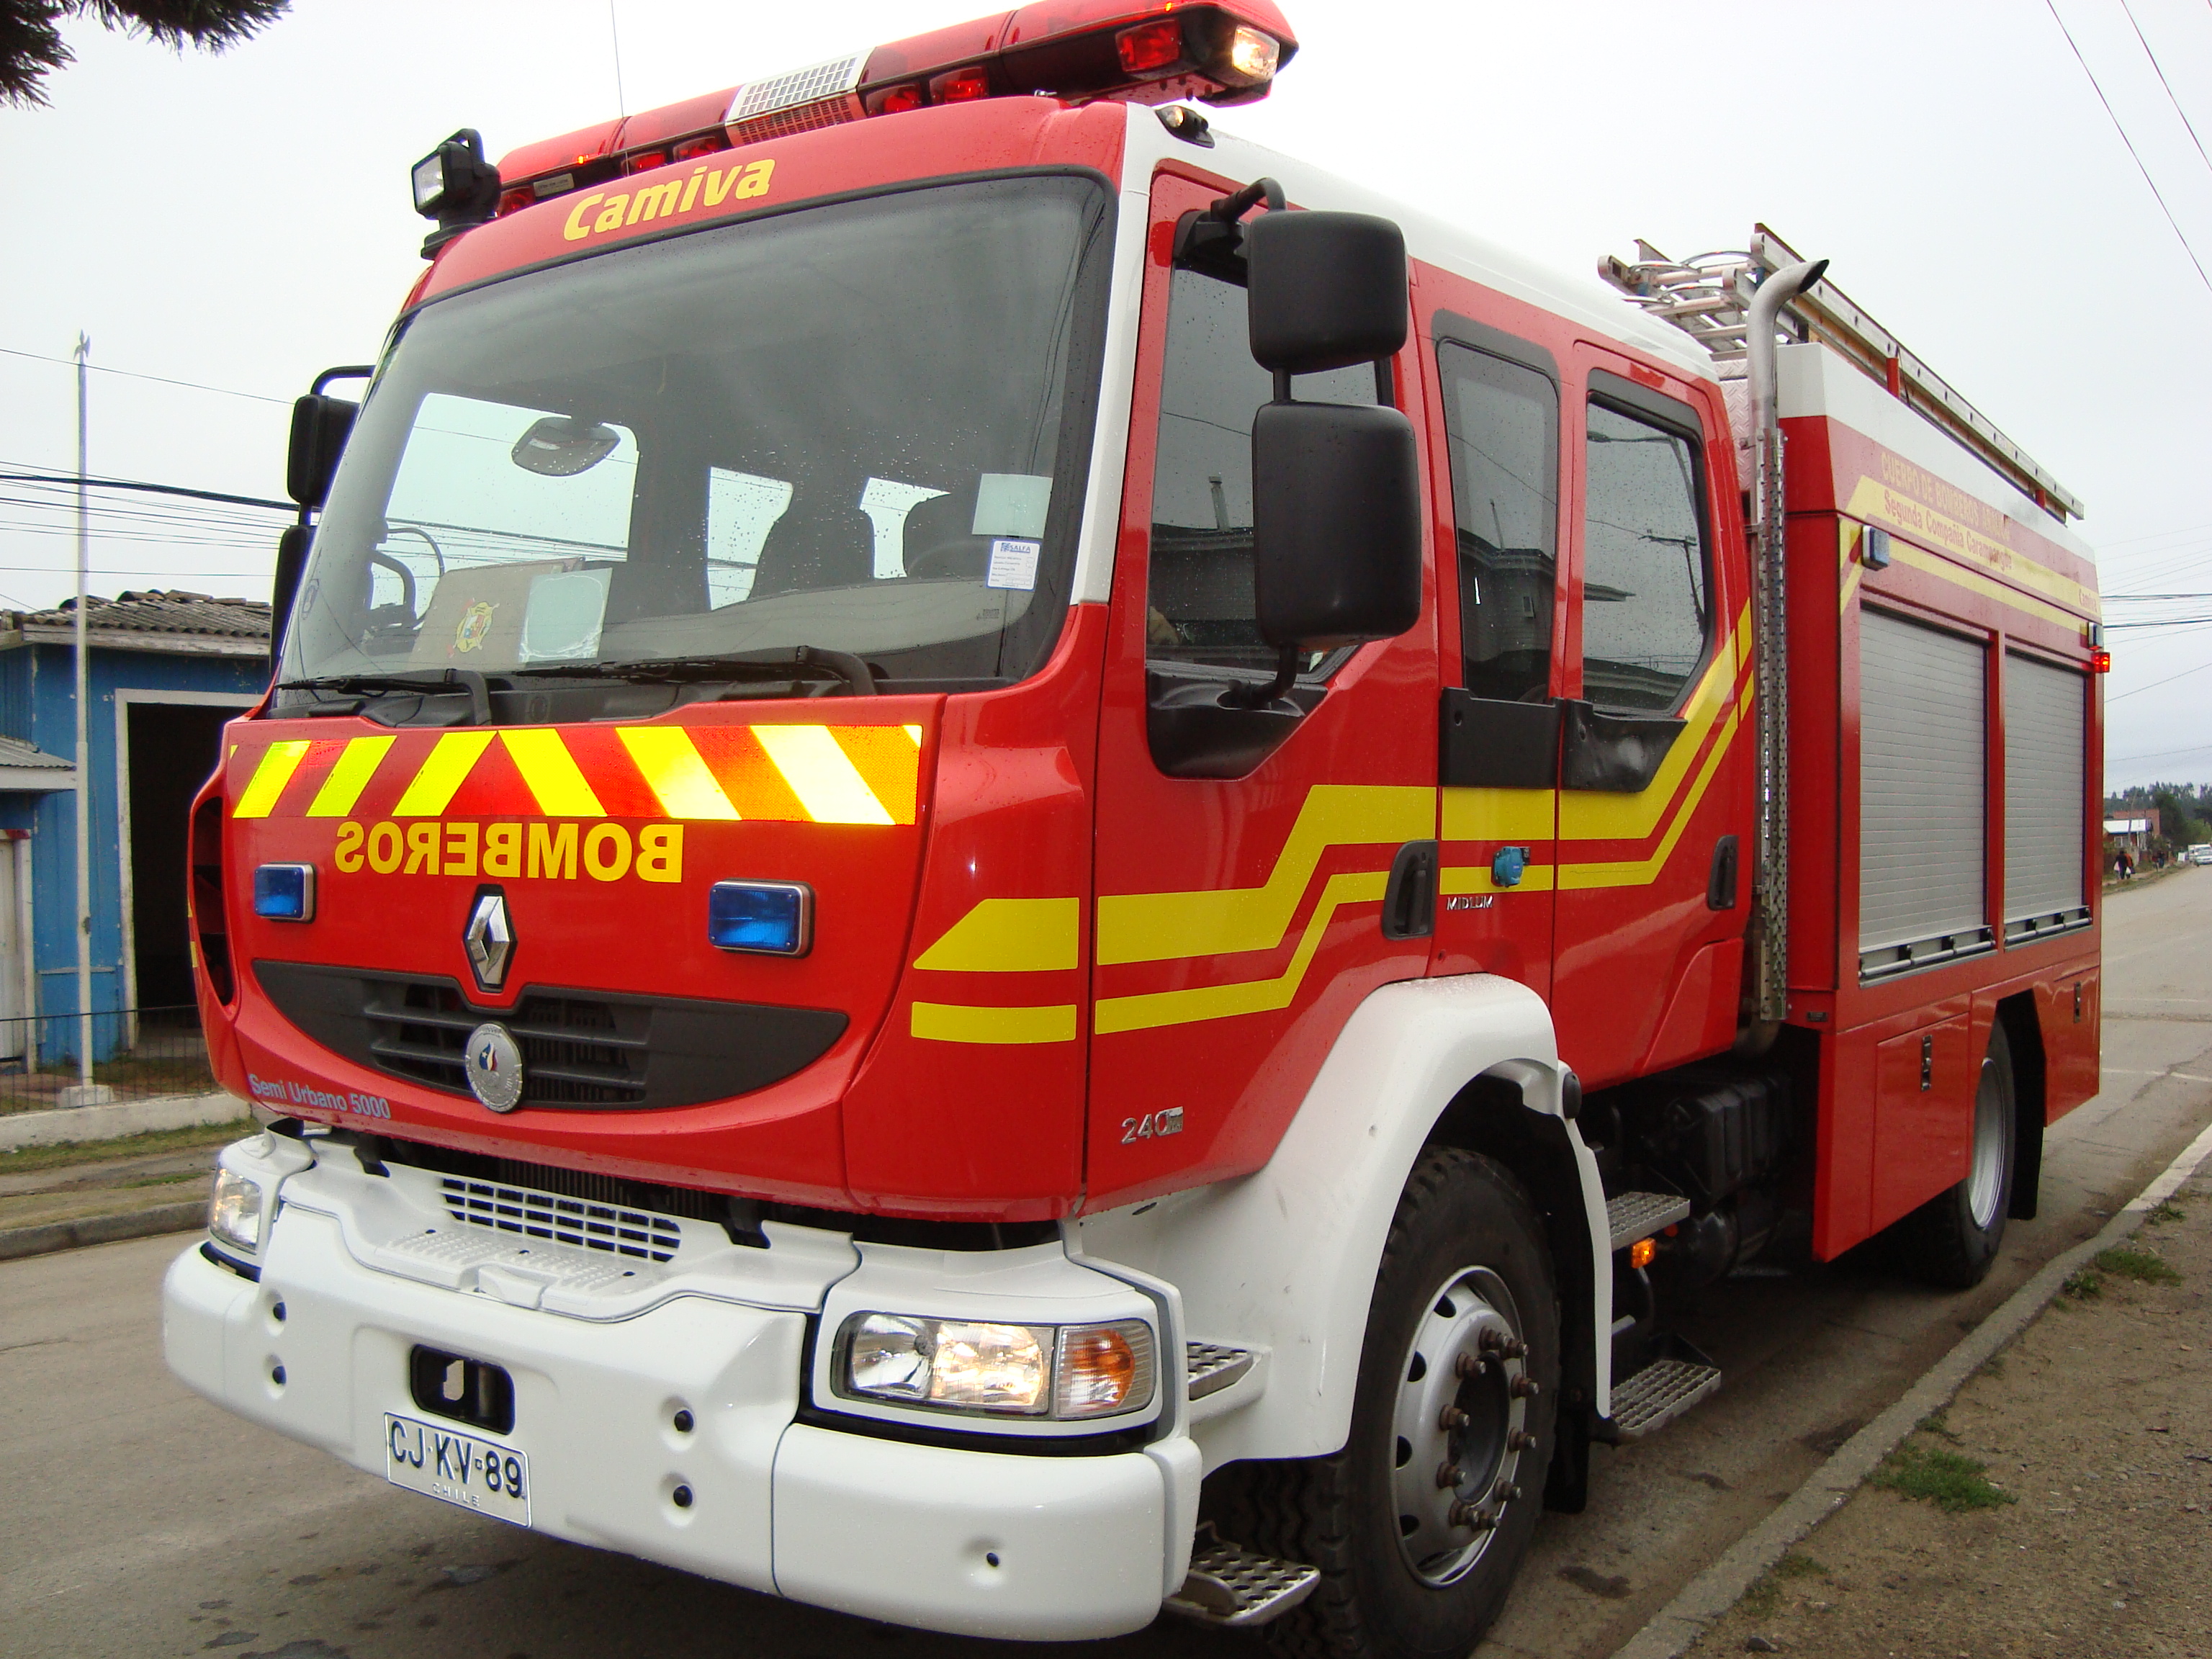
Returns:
(2200, 853)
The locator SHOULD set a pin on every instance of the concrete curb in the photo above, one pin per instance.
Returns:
(125, 1117)
(1713, 1592)
(47, 1236)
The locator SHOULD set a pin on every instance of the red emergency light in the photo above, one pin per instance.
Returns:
(1145, 51)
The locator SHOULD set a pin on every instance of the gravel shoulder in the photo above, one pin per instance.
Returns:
(2064, 1498)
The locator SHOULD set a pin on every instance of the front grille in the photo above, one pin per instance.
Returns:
(564, 1220)
(575, 1051)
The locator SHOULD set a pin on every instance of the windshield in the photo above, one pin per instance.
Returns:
(857, 429)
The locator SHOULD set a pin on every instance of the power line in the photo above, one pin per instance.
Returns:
(2120, 695)
(131, 374)
(2053, 7)
(2167, 84)
(154, 489)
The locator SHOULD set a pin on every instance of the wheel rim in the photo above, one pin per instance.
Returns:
(1993, 1149)
(1460, 1428)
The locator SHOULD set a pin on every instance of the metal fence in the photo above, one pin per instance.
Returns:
(136, 1053)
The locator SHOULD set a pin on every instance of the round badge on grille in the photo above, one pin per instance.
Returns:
(494, 1063)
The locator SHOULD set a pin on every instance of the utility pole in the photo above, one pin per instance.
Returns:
(85, 1096)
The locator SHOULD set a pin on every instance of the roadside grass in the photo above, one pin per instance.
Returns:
(1761, 1599)
(2141, 1266)
(28, 1160)
(2083, 1284)
(1954, 1483)
(2169, 1210)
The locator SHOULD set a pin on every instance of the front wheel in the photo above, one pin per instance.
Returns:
(1951, 1241)
(1420, 1523)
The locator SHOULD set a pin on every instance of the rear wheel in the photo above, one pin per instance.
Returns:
(1420, 1523)
(1952, 1240)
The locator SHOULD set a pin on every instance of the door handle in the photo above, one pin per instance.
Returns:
(1409, 899)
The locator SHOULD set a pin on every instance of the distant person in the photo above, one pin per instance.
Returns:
(2125, 865)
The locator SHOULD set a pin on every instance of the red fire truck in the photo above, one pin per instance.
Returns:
(939, 921)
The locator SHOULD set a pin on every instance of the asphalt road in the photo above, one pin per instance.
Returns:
(137, 1520)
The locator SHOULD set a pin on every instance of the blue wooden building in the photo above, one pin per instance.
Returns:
(167, 670)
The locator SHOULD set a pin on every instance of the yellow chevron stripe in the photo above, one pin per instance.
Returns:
(949, 1022)
(1163, 926)
(441, 774)
(273, 771)
(1638, 872)
(1847, 543)
(1590, 815)
(1009, 936)
(357, 764)
(1509, 815)
(1198, 1002)
(675, 772)
(828, 785)
(551, 773)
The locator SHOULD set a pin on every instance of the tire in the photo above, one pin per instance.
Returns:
(1465, 1316)
(1951, 1241)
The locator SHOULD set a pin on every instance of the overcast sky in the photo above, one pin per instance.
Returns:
(242, 221)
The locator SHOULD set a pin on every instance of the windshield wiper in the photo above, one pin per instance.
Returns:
(792, 662)
(419, 680)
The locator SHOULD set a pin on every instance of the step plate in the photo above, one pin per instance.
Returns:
(1632, 1216)
(1210, 1367)
(1229, 1585)
(1659, 1393)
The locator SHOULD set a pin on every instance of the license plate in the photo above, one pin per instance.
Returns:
(475, 1474)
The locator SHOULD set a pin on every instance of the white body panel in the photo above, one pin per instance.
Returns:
(1285, 1259)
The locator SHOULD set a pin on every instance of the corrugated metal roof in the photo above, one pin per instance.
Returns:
(155, 611)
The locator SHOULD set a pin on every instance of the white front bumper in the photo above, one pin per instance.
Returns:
(977, 1542)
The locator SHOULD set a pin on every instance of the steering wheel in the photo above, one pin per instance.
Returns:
(406, 577)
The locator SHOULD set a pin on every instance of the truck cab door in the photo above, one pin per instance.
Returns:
(1496, 471)
(1656, 739)
(1244, 855)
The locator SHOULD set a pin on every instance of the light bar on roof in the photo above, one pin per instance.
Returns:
(820, 95)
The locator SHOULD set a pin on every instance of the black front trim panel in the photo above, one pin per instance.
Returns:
(1615, 754)
(582, 1050)
(1485, 743)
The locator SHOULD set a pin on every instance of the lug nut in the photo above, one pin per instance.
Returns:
(1477, 1515)
(1451, 1417)
(1468, 1364)
(1507, 1347)
(1450, 1475)
(1526, 1388)
(1520, 1440)
(1505, 1492)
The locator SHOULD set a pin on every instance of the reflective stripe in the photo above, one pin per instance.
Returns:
(442, 773)
(551, 771)
(675, 773)
(1009, 936)
(278, 762)
(947, 1022)
(357, 765)
(828, 785)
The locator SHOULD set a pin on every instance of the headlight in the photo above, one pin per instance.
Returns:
(967, 1366)
(234, 1211)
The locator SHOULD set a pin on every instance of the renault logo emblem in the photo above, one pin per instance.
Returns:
(494, 1065)
(489, 939)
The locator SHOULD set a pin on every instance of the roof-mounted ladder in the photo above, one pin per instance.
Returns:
(1709, 298)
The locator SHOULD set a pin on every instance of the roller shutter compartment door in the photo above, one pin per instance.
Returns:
(1922, 818)
(2045, 806)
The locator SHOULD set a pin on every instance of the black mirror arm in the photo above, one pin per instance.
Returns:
(1259, 696)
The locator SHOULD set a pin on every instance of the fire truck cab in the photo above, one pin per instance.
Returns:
(1012, 864)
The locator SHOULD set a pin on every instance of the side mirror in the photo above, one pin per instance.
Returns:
(291, 560)
(320, 426)
(1336, 524)
(1326, 290)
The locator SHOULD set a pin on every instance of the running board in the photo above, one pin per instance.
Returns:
(1634, 1217)
(1210, 1367)
(1233, 1587)
(1647, 1401)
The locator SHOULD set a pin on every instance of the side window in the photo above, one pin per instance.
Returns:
(1502, 420)
(1200, 606)
(1646, 566)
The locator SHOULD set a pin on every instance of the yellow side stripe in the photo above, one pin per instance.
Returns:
(357, 765)
(1847, 542)
(949, 1022)
(1009, 936)
(1476, 879)
(1157, 1008)
(1163, 926)
(551, 773)
(828, 785)
(1574, 877)
(278, 763)
(442, 773)
(675, 772)
(1499, 814)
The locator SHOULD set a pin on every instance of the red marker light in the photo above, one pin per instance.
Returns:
(644, 163)
(962, 86)
(897, 101)
(515, 201)
(2100, 662)
(1150, 47)
(706, 143)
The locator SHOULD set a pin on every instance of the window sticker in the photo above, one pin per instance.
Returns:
(1013, 564)
(561, 619)
(1011, 504)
